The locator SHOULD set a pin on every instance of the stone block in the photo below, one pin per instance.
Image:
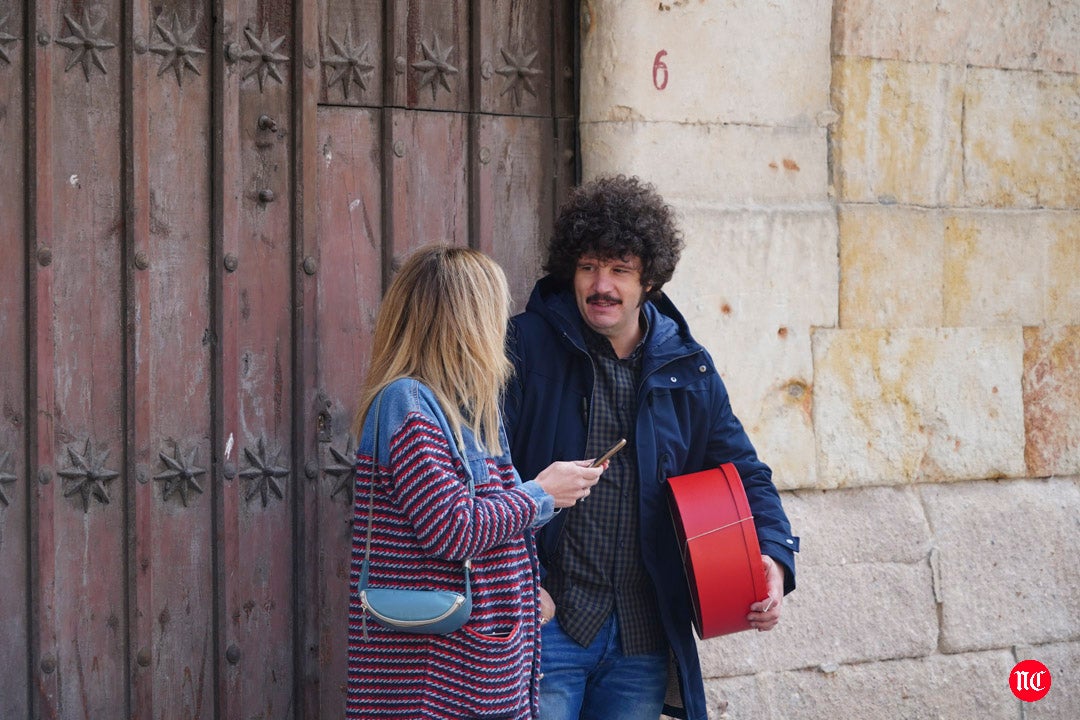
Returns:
(1052, 400)
(898, 139)
(828, 617)
(706, 62)
(915, 267)
(890, 266)
(995, 269)
(713, 164)
(1020, 131)
(868, 525)
(917, 405)
(1017, 34)
(752, 285)
(959, 686)
(1006, 561)
(1063, 662)
(720, 697)
(1062, 268)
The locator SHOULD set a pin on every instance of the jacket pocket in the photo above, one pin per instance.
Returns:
(491, 668)
(662, 468)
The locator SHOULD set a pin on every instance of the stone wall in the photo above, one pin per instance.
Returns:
(881, 203)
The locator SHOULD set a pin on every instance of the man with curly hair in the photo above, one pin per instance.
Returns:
(601, 353)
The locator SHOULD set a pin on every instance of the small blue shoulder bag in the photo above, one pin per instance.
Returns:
(433, 612)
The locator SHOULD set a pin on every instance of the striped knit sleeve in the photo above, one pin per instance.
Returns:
(545, 504)
(428, 490)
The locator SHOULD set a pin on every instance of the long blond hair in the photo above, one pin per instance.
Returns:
(443, 322)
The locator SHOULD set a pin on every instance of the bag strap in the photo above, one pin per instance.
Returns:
(376, 472)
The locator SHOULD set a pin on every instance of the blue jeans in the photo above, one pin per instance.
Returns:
(598, 682)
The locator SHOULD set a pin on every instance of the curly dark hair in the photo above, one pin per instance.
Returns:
(612, 217)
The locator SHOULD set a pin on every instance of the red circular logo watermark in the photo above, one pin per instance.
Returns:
(1029, 680)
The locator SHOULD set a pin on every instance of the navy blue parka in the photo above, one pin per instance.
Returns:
(684, 424)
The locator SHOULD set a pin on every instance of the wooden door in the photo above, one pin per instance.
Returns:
(201, 205)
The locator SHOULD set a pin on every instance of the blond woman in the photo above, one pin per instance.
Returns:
(433, 393)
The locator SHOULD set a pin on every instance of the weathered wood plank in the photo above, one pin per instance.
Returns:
(513, 195)
(80, 540)
(430, 49)
(348, 296)
(513, 49)
(352, 30)
(15, 484)
(170, 317)
(428, 192)
(257, 528)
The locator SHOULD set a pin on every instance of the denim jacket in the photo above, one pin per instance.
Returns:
(407, 395)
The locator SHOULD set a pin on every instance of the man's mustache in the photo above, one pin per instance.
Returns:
(601, 297)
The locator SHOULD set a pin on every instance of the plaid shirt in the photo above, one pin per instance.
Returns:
(599, 567)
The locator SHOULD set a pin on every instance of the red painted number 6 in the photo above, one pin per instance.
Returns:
(658, 67)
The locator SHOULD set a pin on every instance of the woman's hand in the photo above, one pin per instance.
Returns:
(569, 482)
(547, 607)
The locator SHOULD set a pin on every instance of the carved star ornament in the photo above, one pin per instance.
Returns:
(343, 471)
(435, 67)
(263, 474)
(85, 43)
(265, 56)
(177, 48)
(519, 72)
(180, 478)
(7, 478)
(88, 476)
(5, 39)
(348, 63)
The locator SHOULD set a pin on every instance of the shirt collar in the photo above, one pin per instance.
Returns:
(600, 345)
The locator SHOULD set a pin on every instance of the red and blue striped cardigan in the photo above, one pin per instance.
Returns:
(424, 525)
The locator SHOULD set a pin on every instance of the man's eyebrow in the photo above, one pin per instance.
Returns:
(611, 260)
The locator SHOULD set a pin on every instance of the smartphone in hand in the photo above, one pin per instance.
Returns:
(619, 445)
